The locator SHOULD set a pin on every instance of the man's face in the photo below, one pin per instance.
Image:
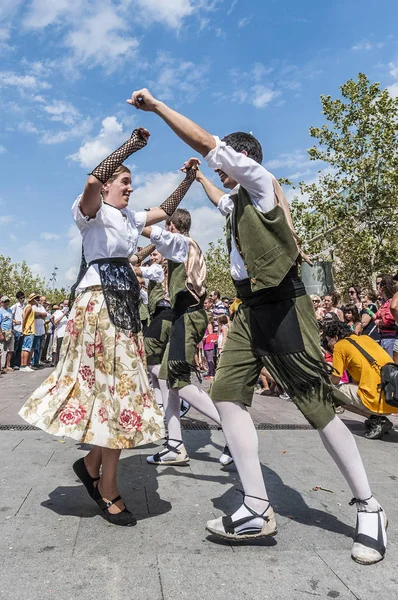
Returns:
(332, 341)
(226, 180)
(43, 300)
(156, 258)
(213, 296)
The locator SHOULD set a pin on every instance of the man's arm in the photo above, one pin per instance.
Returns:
(191, 133)
(213, 193)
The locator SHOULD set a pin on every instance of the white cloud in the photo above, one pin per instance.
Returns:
(27, 127)
(231, 8)
(38, 269)
(244, 22)
(80, 129)
(170, 13)
(153, 188)
(8, 8)
(98, 39)
(2, 149)
(109, 138)
(46, 12)
(366, 45)
(49, 236)
(5, 219)
(393, 90)
(178, 78)
(393, 69)
(13, 237)
(262, 96)
(207, 225)
(61, 111)
(9, 78)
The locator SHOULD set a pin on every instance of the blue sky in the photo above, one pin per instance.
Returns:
(67, 67)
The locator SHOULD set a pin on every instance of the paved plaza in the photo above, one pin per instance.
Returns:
(55, 545)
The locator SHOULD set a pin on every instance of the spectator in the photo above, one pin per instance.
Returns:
(40, 331)
(222, 332)
(17, 312)
(208, 348)
(226, 301)
(352, 318)
(218, 308)
(384, 318)
(47, 335)
(353, 296)
(330, 308)
(364, 393)
(369, 309)
(319, 311)
(394, 312)
(60, 320)
(28, 330)
(6, 334)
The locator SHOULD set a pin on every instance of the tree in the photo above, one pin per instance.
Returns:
(16, 277)
(218, 271)
(350, 214)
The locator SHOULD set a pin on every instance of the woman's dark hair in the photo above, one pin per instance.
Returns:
(336, 297)
(181, 219)
(387, 284)
(337, 329)
(240, 141)
(357, 289)
(371, 294)
(222, 320)
(352, 309)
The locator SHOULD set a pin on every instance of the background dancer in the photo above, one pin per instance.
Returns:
(186, 286)
(99, 392)
(275, 326)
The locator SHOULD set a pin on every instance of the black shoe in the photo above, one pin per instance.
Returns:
(377, 427)
(80, 469)
(125, 518)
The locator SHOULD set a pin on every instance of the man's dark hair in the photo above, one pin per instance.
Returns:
(225, 299)
(217, 293)
(395, 277)
(241, 141)
(335, 329)
(19, 295)
(381, 275)
(387, 284)
(181, 220)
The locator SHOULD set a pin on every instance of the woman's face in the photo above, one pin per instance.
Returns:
(364, 299)
(327, 302)
(118, 192)
(156, 258)
(207, 304)
(352, 294)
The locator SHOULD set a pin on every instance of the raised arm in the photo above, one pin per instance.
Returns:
(166, 209)
(90, 202)
(213, 193)
(191, 133)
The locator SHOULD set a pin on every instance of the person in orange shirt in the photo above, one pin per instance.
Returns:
(364, 393)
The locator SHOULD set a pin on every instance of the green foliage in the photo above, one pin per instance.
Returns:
(218, 272)
(15, 277)
(350, 214)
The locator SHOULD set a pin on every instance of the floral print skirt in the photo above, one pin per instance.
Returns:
(99, 392)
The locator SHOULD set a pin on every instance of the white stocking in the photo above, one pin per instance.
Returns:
(159, 386)
(339, 442)
(242, 440)
(200, 401)
(172, 415)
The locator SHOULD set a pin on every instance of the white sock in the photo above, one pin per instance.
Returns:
(340, 443)
(242, 441)
(200, 401)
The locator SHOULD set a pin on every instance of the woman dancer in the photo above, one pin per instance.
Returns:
(99, 392)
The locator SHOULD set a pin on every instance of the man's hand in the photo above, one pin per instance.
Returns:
(143, 100)
(193, 163)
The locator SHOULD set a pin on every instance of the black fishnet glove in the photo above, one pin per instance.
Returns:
(108, 166)
(144, 252)
(172, 202)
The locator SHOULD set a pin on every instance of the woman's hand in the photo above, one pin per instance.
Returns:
(193, 163)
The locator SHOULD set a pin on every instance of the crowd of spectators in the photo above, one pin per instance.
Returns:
(31, 332)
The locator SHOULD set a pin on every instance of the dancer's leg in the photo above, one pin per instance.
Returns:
(159, 386)
(93, 461)
(200, 401)
(370, 539)
(107, 485)
(172, 415)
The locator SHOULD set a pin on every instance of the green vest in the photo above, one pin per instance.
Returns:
(264, 241)
(176, 278)
(156, 293)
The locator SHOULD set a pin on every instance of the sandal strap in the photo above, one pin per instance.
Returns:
(358, 501)
(108, 504)
(229, 524)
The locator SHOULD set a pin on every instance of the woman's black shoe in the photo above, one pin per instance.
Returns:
(125, 518)
(80, 469)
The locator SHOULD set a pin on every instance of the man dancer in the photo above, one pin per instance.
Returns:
(185, 283)
(275, 326)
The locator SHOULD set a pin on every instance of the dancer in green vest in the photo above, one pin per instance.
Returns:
(275, 326)
(171, 368)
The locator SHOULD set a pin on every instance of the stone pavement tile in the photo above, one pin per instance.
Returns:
(49, 577)
(366, 583)
(278, 577)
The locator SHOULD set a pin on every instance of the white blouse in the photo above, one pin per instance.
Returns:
(256, 180)
(111, 233)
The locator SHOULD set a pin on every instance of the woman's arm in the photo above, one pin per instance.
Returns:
(90, 202)
(166, 209)
(358, 328)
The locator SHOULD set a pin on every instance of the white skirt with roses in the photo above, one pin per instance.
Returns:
(99, 392)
